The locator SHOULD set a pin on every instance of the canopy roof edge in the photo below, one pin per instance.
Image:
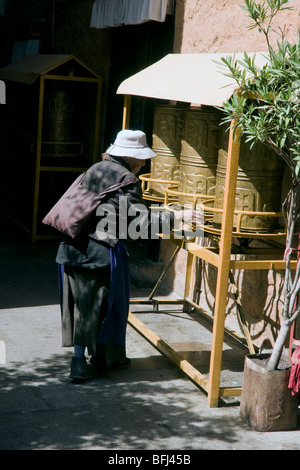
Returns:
(192, 78)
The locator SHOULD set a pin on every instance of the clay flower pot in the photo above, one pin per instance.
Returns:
(266, 402)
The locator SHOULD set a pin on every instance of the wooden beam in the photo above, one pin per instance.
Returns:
(206, 254)
(97, 123)
(165, 349)
(261, 264)
(126, 112)
(230, 391)
(38, 160)
(190, 276)
(69, 78)
(223, 271)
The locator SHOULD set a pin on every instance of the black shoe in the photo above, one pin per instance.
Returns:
(98, 363)
(123, 364)
(101, 366)
(81, 370)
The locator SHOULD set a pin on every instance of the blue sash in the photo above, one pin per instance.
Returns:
(113, 327)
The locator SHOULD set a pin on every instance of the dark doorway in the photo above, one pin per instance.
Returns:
(134, 48)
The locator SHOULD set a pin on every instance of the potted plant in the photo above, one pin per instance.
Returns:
(266, 108)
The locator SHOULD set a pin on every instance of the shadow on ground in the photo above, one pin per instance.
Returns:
(133, 409)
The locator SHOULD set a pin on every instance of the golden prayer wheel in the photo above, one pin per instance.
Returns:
(59, 117)
(166, 143)
(259, 181)
(199, 153)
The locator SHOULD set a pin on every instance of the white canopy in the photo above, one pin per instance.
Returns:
(192, 78)
(110, 13)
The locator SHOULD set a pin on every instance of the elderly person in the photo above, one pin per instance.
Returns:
(94, 265)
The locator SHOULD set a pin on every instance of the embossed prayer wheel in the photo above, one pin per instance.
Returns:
(59, 117)
(199, 153)
(166, 143)
(259, 181)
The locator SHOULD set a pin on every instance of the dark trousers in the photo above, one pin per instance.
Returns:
(85, 304)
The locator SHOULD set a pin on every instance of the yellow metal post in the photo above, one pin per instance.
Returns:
(190, 274)
(97, 123)
(126, 112)
(223, 268)
(38, 160)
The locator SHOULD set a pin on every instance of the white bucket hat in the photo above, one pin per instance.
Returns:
(131, 144)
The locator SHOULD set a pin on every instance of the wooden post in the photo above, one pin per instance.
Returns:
(97, 123)
(189, 278)
(126, 112)
(223, 268)
(38, 160)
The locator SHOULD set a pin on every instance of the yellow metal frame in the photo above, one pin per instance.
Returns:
(224, 264)
(208, 211)
(146, 187)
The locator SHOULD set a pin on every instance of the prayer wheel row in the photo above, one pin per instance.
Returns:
(191, 148)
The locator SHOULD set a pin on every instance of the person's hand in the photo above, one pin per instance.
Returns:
(189, 216)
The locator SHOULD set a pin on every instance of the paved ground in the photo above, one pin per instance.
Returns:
(151, 406)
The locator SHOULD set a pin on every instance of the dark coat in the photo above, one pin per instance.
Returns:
(90, 249)
(86, 250)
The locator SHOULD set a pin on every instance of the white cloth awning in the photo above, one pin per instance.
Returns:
(110, 13)
(25, 47)
(192, 78)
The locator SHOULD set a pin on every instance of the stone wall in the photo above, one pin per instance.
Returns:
(221, 26)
